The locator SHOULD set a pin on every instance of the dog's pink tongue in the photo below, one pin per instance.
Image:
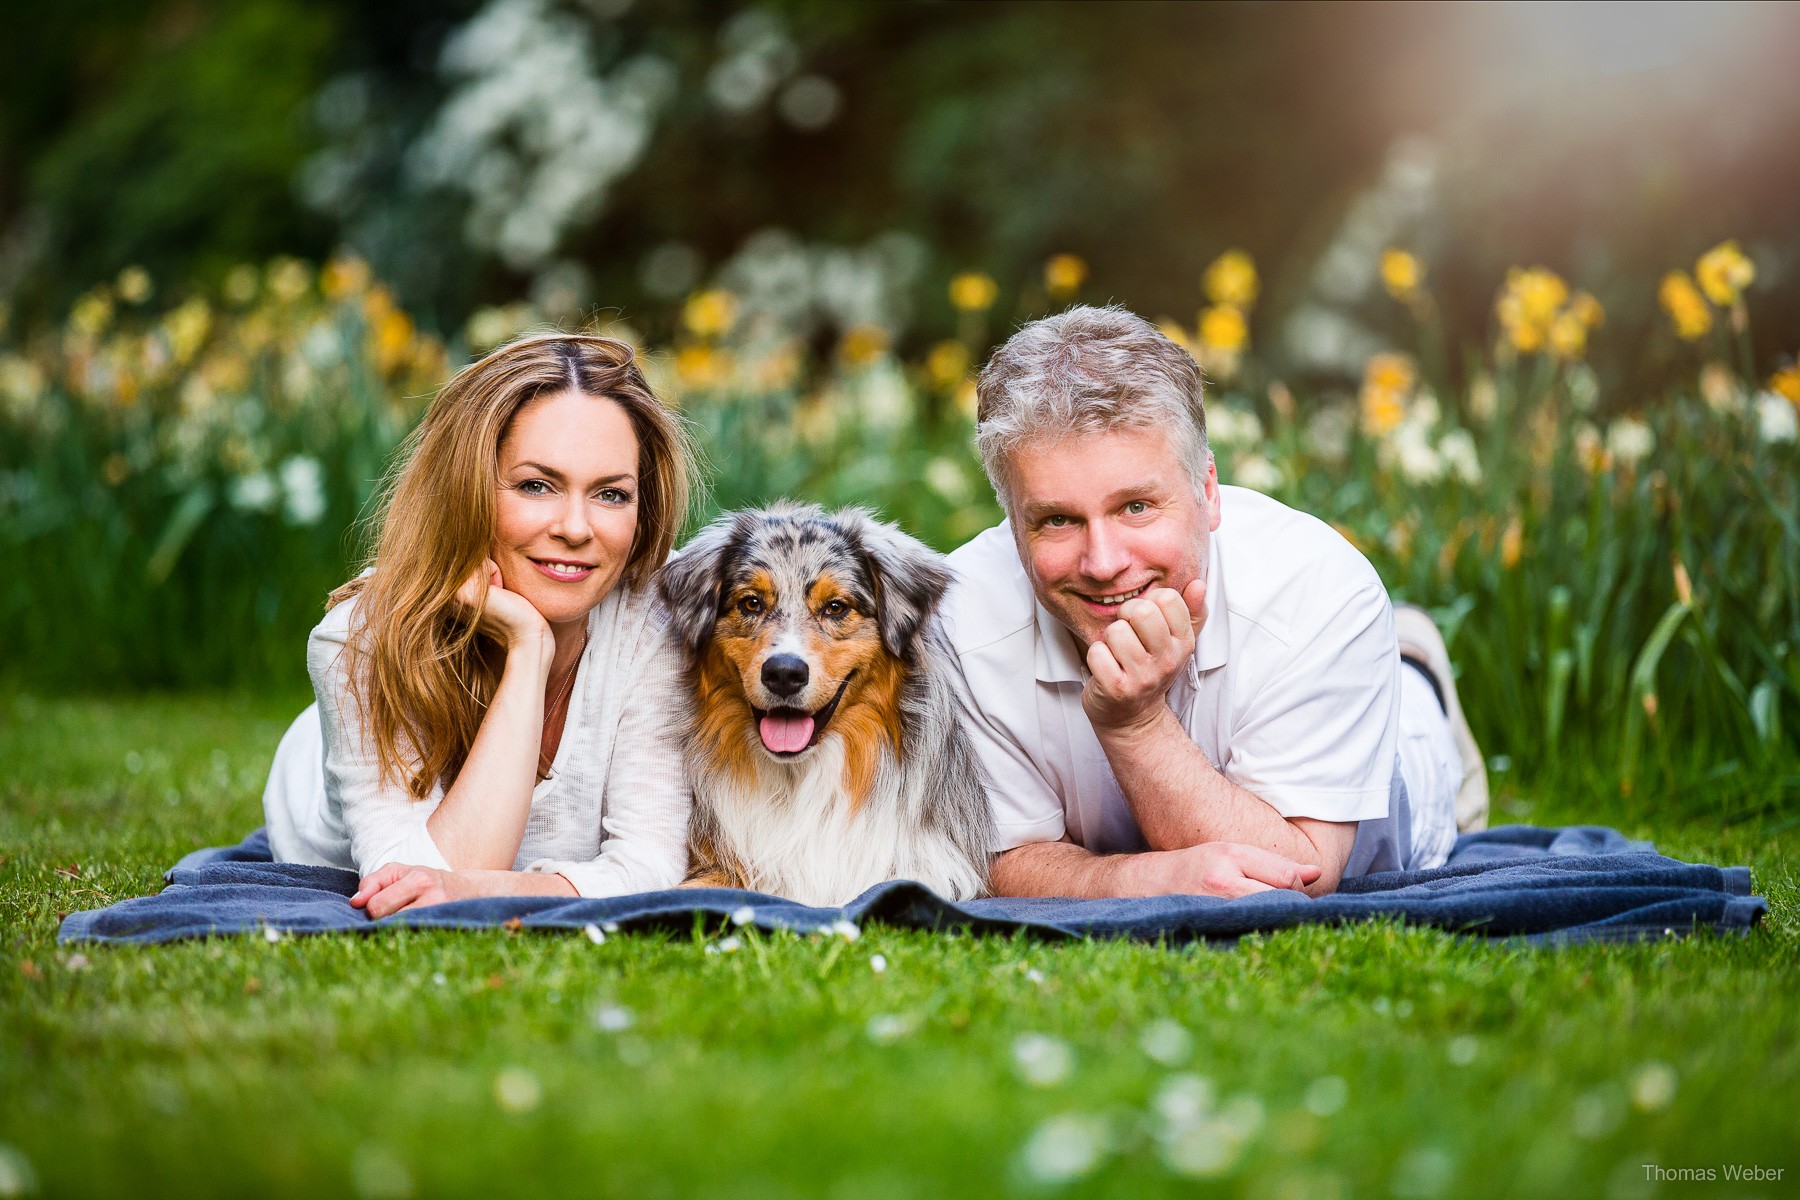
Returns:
(785, 734)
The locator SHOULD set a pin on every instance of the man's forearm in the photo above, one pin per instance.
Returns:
(1053, 869)
(1180, 799)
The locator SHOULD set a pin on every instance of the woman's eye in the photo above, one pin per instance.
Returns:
(614, 496)
(835, 608)
(535, 487)
(750, 605)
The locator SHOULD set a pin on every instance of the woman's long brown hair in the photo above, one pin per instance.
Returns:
(418, 669)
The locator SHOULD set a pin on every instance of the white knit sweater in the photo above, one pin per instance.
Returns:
(611, 817)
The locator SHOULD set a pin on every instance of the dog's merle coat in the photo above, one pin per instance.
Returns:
(822, 624)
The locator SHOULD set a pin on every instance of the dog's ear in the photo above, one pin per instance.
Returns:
(688, 584)
(910, 578)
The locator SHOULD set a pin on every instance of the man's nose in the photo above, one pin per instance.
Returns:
(1103, 555)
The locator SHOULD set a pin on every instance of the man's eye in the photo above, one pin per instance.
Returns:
(835, 608)
(1056, 521)
(1137, 508)
(750, 605)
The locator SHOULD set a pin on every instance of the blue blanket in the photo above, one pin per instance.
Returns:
(1581, 883)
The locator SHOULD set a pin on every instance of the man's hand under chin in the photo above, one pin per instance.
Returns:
(1139, 655)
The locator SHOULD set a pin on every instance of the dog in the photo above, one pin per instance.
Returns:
(824, 744)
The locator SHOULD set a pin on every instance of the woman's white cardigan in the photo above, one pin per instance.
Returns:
(611, 817)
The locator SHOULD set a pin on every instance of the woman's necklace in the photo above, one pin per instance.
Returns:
(562, 694)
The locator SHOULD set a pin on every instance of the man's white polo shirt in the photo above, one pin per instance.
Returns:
(1293, 690)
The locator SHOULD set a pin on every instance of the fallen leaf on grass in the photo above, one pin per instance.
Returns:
(30, 970)
(514, 925)
(252, 986)
(72, 871)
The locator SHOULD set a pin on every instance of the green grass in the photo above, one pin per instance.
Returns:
(378, 1065)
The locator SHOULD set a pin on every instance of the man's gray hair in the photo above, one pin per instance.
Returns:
(1088, 370)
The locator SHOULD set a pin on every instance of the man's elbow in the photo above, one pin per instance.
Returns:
(1331, 843)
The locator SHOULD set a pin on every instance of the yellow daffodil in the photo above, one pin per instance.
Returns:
(1685, 306)
(1223, 327)
(710, 313)
(1568, 336)
(1528, 305)
(863, 344)
(92, 313)
(1512, 543)
(1587, 310)
(186, 328)
(1387, 383)
(289, 279)
(1175, 333)
(947, 364)
(346, 275)
(133, 285)
(1064, 275)
(241, 283)
(702, 367)
(1786, 383)
(972, 291)
(1231, 279)
(1401, 274)
(1723, 273)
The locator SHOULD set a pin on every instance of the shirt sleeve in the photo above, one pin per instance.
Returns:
(647, 800)
(1318, 738)
(384, 823)
(1025, 807)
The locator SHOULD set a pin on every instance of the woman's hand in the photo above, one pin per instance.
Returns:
(397, 886)
(507, 617)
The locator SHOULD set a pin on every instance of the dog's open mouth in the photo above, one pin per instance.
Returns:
(789, 731)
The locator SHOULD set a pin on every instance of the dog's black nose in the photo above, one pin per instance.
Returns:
(784, 674)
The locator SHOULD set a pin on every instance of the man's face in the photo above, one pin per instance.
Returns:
(1101, 517)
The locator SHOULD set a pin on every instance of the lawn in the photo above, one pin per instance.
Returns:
(1368, 1061)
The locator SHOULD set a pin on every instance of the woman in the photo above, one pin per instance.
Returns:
(498, 703)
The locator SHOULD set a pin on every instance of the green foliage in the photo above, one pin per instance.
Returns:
(1370, 1060)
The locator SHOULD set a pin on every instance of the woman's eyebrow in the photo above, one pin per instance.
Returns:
(550, 472)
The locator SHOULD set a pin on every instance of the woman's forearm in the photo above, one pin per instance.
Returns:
(481, 820)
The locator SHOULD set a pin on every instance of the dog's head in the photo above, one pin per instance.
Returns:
(806, 614)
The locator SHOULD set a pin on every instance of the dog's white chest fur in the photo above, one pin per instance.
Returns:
(795, 829)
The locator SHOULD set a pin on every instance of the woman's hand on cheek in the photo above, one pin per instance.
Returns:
(397, 886)
(507, 617)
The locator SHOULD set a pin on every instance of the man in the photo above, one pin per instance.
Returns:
(1176, 686)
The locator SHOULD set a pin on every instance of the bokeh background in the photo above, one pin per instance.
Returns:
(1508, 292)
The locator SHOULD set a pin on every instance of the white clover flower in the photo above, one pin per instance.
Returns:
(593, 933)
(1630, 440)
(730, 945)
(303, 489)
(1067, 1146)
(844, 929)
(1653, 1087)
(517, 1090)
(1167, 1042)
(613, 1018)
(743, 916)
(878, 963)
(1326, 1095)
(1775, 418)
(887, 1028)
(1042, 1060)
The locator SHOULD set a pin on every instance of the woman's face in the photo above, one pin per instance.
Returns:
(567, 507)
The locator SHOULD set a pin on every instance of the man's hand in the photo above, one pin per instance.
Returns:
(1139, 655)
(1211, 869)
(397, 886)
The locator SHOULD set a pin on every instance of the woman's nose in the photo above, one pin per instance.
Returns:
(572, 524)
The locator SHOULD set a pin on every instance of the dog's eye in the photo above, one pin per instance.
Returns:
(835, 608)
(750, 605)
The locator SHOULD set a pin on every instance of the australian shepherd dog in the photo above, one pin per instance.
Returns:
(824, 746)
